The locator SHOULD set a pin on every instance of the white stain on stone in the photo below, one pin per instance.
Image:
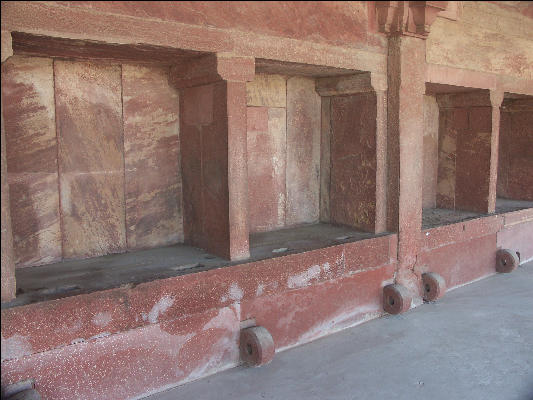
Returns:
(159, 308)
(235, 293)
(341, 320)
(260, 289)
(226, 319)
(102, 319)
(15, 347)
(304, 279)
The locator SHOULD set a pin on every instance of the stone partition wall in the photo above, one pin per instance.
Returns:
(92, 158)
(515, 162)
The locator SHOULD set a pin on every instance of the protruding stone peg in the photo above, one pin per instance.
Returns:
(434, 286)
(257, 346)
(396, 299)
(506, 260)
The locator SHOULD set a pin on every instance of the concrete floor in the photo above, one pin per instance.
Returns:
(475, 343)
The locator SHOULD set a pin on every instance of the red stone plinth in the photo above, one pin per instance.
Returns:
(257, 346)
(396, 299)
(434, 286)
(506, 260)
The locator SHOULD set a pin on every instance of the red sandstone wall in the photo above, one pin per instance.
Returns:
(93, 158)
(465, 127)
(493, 37)
(515, 162)
(283, 151)
(353, 160)
(346, 25)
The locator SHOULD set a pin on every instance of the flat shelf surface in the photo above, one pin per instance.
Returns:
(73, 277)
(433, 217)
(506, 205)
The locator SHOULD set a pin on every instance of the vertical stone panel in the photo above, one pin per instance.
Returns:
(303, 151)
(353, 160)
(28, 98)
(267, 90)
(325, 160)
(515, 163)
(237, 159)
(504, 156)
(196, 111)
(473, 161)
(431, 151)
(266, 168)
(6, 237)
(452, 123)
(91, 164)
(151, 153)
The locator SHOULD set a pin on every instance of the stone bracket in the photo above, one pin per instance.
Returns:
(411, 18)
(350, 84)
(212, 68)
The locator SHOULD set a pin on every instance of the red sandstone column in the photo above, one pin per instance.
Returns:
(496, 99)
(406, 70)
(214, 152)
(380, 86)
(8, 260)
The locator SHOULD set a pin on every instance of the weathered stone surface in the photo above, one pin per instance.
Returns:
(515, 162)
(267, 90)
(266, 168)
(28, 91)
(467, 135)
(325, 160)
(35, 211)
(404, 148)
(473, 162)
(431, 151)
(92, 207)
(7, 48)
(347, 23)
(448, 260)
(487, 38)
(152, 158)
(353, 161)
(451, 123)
(29, 111)
(302, 315)
(214, 165)
(152, 357)
(8, 256)
(303, 151)
(91, 164)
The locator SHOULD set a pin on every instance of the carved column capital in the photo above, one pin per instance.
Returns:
(411, 18)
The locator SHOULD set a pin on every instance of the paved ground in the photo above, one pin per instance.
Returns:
(476, 343)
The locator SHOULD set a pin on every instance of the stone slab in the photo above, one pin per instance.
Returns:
(152, 158)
